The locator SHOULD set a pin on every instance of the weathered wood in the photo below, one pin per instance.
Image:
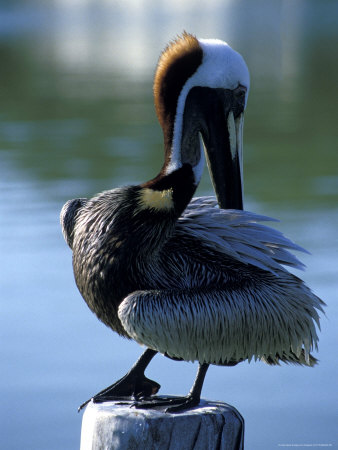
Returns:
(211, 425)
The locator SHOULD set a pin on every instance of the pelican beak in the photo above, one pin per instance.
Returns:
(225, 162)
(224, 152)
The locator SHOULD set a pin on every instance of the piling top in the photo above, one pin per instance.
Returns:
(211, 425)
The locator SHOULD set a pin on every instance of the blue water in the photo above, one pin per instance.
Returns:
(71, 126)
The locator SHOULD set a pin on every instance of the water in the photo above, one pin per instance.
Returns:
(76, 117)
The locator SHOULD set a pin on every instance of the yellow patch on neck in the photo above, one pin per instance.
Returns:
(159, 200)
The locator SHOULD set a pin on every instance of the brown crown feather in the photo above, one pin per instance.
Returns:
(178, 62)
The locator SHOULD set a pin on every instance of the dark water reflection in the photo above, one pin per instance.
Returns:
(76, 117)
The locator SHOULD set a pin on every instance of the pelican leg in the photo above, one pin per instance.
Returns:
(177, 404)
(133, 385)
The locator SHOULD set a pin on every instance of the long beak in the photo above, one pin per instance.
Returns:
(224, 155)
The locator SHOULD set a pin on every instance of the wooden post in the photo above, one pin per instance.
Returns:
(210, 426)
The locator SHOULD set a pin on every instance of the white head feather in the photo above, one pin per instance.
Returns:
(222, 67)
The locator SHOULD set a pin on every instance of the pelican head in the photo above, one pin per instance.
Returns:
(201, 88)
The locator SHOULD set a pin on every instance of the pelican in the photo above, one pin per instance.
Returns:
(195, 279)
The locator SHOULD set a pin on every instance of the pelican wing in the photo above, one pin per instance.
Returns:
(271, 317)
(239, 235)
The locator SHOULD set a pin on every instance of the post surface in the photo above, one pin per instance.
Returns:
(211, 425)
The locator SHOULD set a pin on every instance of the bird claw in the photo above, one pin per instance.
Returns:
(169, 404)
(189, 402)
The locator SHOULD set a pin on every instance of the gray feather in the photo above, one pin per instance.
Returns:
(238, 234)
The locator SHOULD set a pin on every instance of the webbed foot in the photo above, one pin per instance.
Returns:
(178, 404)
(127, 388)
(169, 404)
(134, 385)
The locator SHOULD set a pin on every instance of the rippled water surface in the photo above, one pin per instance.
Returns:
(76, 117)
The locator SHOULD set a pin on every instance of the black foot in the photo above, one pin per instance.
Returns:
(130, 387)
(168, 404)
(178, 404)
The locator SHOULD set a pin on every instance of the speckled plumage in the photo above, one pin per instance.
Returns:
(209, 287)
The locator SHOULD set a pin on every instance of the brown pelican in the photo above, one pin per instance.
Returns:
(182, 276)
